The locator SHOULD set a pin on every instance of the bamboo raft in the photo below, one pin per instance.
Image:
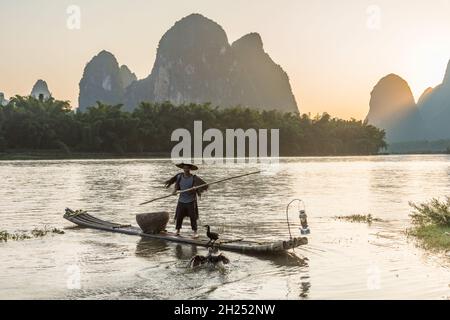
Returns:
(83, 219)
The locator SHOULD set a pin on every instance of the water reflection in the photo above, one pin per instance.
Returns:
(149, 247)
(286, 259)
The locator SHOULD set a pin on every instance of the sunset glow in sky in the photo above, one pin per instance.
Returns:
(333, 51)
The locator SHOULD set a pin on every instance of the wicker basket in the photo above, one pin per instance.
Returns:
(153, 222)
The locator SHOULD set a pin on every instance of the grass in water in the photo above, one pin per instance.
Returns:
(432, 236)
(35, 233)
(361, 218)
(431, 222)
(5, 236)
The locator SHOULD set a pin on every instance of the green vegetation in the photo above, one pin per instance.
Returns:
(359, 218)
(31, 124)
(434, 212)
(431, 222)
(432, 236)
(5, 236)
(35, 233)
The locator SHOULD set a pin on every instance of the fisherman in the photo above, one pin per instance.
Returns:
(187, 202)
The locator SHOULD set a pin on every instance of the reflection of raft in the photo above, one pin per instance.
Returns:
(83, 219)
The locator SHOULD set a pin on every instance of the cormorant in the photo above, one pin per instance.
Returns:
(210, 259)
(216, 259)
(213, 236)
(197, 260)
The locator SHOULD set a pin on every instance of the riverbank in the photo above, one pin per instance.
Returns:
(420, 147)
(61, 155)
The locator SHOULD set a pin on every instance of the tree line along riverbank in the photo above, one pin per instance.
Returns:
(49, 128)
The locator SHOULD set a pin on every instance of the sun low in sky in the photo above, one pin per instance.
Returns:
(333, 51)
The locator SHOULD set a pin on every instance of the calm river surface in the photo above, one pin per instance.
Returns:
(342, 261)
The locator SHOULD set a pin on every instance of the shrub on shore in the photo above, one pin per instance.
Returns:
(431, 222)
(433, 212)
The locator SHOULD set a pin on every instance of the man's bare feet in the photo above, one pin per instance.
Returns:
(177, 233)
(195, 236)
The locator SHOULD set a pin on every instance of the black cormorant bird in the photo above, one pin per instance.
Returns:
(197, 260)
(210, 259)
(213, 236)
(216, 259)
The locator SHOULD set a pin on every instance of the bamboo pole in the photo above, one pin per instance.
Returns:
(198, 187)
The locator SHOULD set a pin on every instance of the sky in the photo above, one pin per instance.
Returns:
(333, 51)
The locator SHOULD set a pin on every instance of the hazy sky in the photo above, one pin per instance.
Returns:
(333, 51)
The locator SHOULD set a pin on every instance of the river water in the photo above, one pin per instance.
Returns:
(343, 260)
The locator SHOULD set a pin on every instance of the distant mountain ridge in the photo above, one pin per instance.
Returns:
(3, 100)
(40, 88)
(194, 64)
(103, 80)
(434, 106)
(392, 107)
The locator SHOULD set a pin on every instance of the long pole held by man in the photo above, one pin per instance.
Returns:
(189, 187)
